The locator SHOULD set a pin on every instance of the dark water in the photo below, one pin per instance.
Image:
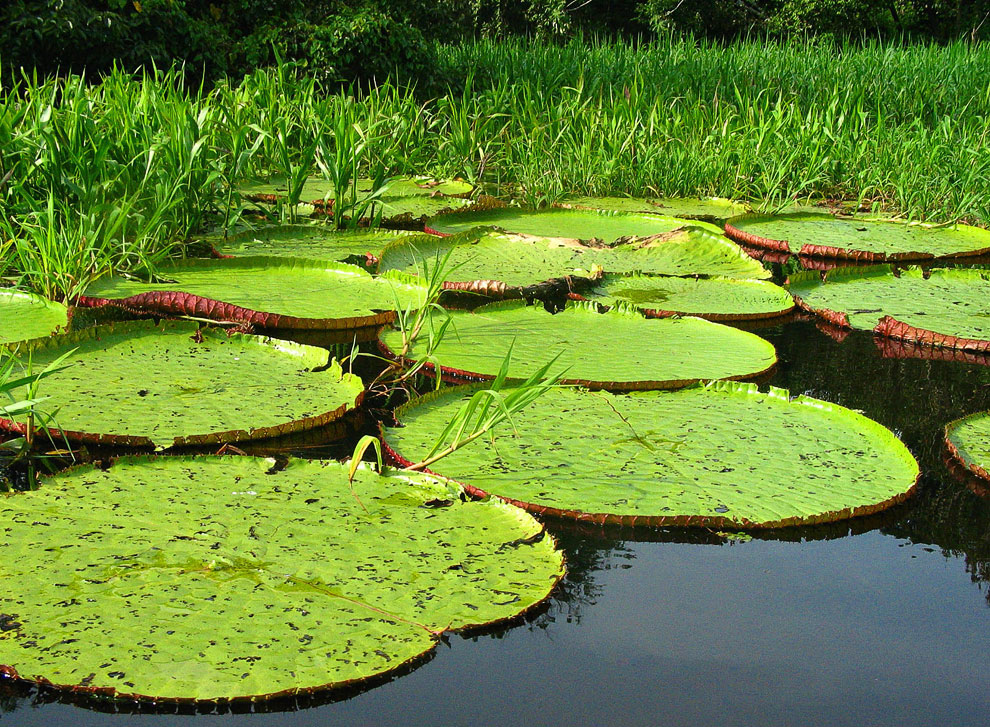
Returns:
(878, 621)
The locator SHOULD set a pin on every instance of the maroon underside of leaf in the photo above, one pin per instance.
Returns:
(748, 238)
(954, 457)
(890, 326)
(286, 700)
(899, 348)
(192, 440)
(836, 318)
(661, 521)
(185, 304)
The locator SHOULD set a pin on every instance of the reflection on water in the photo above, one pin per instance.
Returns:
(880, 620)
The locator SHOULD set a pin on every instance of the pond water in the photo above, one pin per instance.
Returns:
(879, 621)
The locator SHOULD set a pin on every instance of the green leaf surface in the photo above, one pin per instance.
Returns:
(311, 293)
(854, 234)
(317, 189)
(574, 224)
(614, 350)
(969, 441)
(522, 261)
(722, 455)
(715, 297)
(704, 208)
(209, 577)
(953, 302)
(24, 316)
(312, 242)
(147, 384)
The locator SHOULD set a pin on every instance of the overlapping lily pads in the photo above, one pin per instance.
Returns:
(710, 209)
(317, 190)
(968, 441)
(234, 579)
(584, 225)
(949, 307)
(618, 350)
(311, 242)
(858, 238)
(24, 316)
(714, 298)
(497, 264)
(270, 292)
(721, 455)
(145, 385)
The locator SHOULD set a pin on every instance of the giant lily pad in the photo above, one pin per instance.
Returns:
(317, 190)
(721, 455)
(710, 209)
(949, 308)
(230, 578)
(172, 384)
(576, 224)
(504, 262)
(312, 242)
(715, 298)
(266, 291)
(876, 240)
(24, 316)
(615, 350)
(968, 440)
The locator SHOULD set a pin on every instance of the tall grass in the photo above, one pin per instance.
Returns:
(114, 175)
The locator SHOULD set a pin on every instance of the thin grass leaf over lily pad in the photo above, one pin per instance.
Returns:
(24, 316)
(570, 224)
(270, 292)
(172, 384)
(858, 238)
(312, 242)
(948, 308)
(710, 209)
(506, 262)
(968, 441)
(721, 455)
(180, 578)
(618, 350)
(714, 298)
(316, 189)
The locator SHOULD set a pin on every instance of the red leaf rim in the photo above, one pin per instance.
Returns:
(957, 456)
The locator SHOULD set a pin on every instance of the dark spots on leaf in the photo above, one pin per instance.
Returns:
(435, 503)
(143, 392)
(116, 674)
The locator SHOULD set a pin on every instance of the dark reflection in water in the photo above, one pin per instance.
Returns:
(881, 621)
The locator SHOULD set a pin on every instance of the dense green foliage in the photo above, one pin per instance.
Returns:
(110, 176)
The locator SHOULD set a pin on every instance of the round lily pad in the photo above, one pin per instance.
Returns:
(576, 224)
(172, 384)
(721, 455)
(270, 292)
(715, 298)
(949, 308)
(233, 578)
(24, 316)
(968, 441)
(312, 242)
(617, 350)
(710, 209)
(317, 190)
(865, 239)
(508, 262)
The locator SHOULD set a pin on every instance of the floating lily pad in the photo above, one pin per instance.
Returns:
(617, 350)
(317, 190)
(722, 455)
(968, 440)
(865, 239)
(713, 298)
(312, 242)
(24, 316)
(577, 224)
(142, 385)
(950, 308)
(209, 578)
(270, 292)
(505, 262)
(710, 209)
